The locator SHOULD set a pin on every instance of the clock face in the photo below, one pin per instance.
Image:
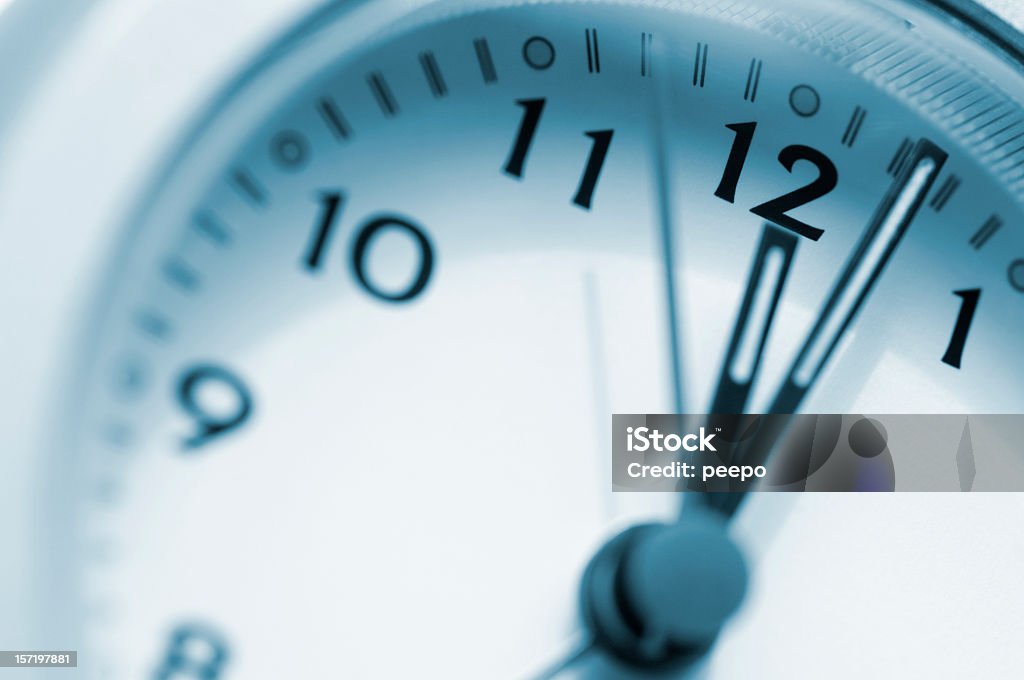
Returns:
(344, 400)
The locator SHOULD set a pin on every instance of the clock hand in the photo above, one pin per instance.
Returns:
(862, 271)
(663, 198)
(886, 229)
(765, 282)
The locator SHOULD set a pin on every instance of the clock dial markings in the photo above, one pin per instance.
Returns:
(194, 650)
(289, 150)
(181, 275)
(249, 187)
(382, 93)
(987, 230)
(944, 193)
(211, 228)
(432, 72)
(646, 39)
(853, 127)
(1015, 272)
(777, 209)
(804, 100)
(538, 53)
(602, 140)
(333, 118)
(738, 153)
(753, 80)
(330, 202)
(532, 110)
(486, 62)
(211, 423)
(700, 65)
(593, 51)
(968, 305)
(154, 325)
(896, 164)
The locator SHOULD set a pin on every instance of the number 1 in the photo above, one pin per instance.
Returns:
(955, 351)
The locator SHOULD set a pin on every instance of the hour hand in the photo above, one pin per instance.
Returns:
(764, 287)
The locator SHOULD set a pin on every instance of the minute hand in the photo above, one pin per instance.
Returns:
(887, 227)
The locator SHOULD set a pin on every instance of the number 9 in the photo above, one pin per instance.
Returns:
(211, 422)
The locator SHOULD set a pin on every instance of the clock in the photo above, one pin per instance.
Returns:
(318, 313)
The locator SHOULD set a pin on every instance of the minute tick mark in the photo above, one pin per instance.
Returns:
(249, 187)
(181, 275)
(154, 324)
(333, 118)
(944, 193)
(753, 80)
(382, 93)
(700, 65)
(483, 57)
(433, 74)
(210, 227)
(900, 157)
(853, 127)
(987, 231)
(593, 52)
(645, 51)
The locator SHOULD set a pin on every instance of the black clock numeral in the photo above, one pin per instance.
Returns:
(331, 201)
(776, 210)
(601, 141)
(737, 159)
(968, 306)
(193, 652)
(598, 152)
(361, 249)
(532, 110)
(212, 422)
(330, 206)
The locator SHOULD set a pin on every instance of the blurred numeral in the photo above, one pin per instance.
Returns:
(532, 110)
(193, 653)
(598, 151)
(330, 209)
(361, 249)
(212, 420)
(600, 142)
(330, 202)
